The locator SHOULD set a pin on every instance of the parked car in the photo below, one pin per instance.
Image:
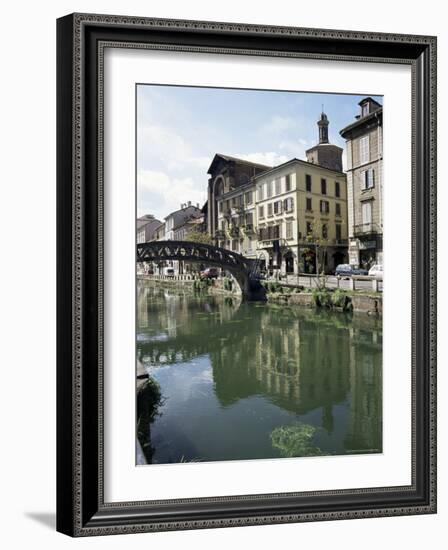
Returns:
(209, 273)
(376, 271)
(168, 271)
(347, 270)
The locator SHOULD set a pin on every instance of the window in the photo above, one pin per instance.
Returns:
(288, 230)
(364, 150)
(288, 182)
(309, 228)
(278, 186)
(337, 189)
(309, 204)
(367, 212)
(324, 231)
(261, 211)
(308, 183)
(338, 209)
(269, 190)
(270, 209)
(260, 193)
(223, 225)
(368, 179)
(365, 109)
(269, 233)
(248, 197)
(338, 231)
(288, 204)
(235, 245)
(278, 207)
(323, 186)
(324, 207)
(220, 206)
(249, 219)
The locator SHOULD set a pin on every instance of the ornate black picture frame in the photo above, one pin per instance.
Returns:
(81, 509)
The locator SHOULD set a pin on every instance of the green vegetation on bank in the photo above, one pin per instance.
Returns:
(274, 287)
(338, 299)
(203, 285)
(149, 400)
(296, 440)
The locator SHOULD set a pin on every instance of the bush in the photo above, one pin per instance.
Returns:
(322, 297)
(341, 299)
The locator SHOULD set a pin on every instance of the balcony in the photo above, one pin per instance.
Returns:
(364, 229)
(234, 231)
(248, 229)
(220, 234)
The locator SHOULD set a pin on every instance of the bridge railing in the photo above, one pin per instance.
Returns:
(184, 277)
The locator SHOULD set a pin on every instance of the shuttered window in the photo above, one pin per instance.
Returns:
(367, 212)
(269, 233)
(368, 179)
(288, 204)
(364, 150)
(278, 186)
(308, 183)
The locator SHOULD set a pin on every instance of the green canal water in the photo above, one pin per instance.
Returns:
(235, 381)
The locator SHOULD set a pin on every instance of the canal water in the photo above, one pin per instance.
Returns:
(233, 381)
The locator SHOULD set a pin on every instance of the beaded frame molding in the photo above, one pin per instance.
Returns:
(81, 39)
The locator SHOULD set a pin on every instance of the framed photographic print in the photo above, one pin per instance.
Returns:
(246, 274)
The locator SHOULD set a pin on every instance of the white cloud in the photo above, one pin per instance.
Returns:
(278, 124)
(269, 158)
(169, 148)
(160, 194)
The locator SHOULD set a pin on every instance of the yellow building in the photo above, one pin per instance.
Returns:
(301, 216)
(292, 218)
(236, 221)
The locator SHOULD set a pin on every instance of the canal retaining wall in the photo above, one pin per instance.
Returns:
(360, 303)
(367, 304)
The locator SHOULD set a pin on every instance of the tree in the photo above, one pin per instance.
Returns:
(196, 236)
(319, 237)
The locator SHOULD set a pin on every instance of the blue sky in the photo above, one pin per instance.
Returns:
(179, 130)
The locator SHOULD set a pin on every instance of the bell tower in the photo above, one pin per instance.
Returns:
(323, 128)
(324, 153)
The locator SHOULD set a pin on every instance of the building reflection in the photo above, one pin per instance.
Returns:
(302, 361)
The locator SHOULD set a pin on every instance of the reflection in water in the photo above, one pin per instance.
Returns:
(241, 380)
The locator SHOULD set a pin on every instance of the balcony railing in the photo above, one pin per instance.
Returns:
(340, 241)
(236, 209)
(248, 228)
(365, 229)
(234, 231)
